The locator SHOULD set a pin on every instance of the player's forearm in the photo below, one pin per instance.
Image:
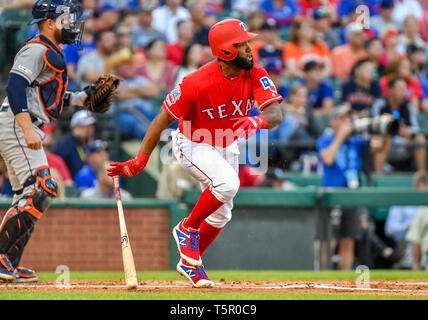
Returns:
(24, 121)
(273, 114)
(328, 155)
(71, 72)
(152, 137)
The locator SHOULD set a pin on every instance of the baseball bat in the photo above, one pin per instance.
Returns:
(128, 259)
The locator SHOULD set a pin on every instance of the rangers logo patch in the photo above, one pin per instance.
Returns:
(173, 96)
(268, 84)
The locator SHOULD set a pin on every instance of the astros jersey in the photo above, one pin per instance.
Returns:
(206, 101)
(31, 64)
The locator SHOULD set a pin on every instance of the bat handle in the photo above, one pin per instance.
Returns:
(116, 187)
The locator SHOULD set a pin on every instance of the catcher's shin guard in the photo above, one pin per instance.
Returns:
(15, 225)
(15, 253)
(19, 221)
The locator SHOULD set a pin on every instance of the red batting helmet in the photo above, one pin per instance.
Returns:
(224, 34)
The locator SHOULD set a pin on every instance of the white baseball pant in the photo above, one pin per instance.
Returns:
(215, 168)
(21, 161)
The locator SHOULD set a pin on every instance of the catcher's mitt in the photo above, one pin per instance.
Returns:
(101, 93)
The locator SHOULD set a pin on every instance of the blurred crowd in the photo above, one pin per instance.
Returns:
(332, 61)
(370, 56)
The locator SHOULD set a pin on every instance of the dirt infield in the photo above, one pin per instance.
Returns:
(396, 287)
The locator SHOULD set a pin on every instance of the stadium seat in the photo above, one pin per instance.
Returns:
(71, 192)
(393, 181)
(14, 17)
(22, 34)
(227, 14)
(284, 33)
(302, 180)
(145, 183)
(423, 122)
(323, 122)
(11, 23)
(337, 88)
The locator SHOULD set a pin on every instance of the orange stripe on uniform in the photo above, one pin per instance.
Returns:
(49, 64)
(32, 210)
(5, 219)
(5, 265)
(25, 275)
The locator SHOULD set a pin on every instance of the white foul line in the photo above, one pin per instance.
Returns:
(218, 285)
(367, 289)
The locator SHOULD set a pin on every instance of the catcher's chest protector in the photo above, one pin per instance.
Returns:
(52, 91)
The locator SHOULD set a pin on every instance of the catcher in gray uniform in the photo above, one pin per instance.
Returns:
(36, 94)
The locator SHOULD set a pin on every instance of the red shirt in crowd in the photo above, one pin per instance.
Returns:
(175, 53)
(414, 88)
(56, 162)
(307, 7)
(207, 100)
(250, 177)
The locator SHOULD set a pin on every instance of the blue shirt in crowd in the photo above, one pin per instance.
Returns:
(72, 53)
(425, 88)
(349, 157)
(85, 178)
(283, 16)
(6, 189)
(346, 6)
(317, 96)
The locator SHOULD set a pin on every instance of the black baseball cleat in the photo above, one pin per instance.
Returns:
(23, 274)
(6, 269)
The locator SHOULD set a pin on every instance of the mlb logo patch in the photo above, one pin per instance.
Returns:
(25, 70)
(268, 84)
(173, 96)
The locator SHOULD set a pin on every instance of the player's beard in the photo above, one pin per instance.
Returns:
(242, 63)
(58, 35)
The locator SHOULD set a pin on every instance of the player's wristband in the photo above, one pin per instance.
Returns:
(142, 159)
(261, 120)
(77, 98)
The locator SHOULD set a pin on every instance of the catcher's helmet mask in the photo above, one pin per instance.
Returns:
(68, 15)
(223, 37)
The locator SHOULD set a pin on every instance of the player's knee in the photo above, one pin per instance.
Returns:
(219, 219)
(37, 200)
(226, 190)
(34, 203)
(45, 181)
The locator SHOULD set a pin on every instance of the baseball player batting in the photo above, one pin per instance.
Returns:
(212, 105)
(36, 94)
